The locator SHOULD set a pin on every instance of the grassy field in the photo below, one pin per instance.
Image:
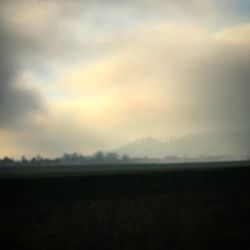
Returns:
(184, 206)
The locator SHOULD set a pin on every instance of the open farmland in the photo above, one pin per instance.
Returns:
(183, 206)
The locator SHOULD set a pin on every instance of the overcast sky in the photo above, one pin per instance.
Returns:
(88, 75)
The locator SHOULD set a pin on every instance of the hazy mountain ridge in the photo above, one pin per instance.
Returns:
(213, 143)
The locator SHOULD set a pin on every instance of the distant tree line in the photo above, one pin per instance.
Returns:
(101, 157)
(69, 159)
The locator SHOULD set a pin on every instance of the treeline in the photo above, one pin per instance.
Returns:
(105, 158)
(69, 159)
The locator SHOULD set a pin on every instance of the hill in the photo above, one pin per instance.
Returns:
(213, 143)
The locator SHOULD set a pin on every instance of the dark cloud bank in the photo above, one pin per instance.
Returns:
(16, 102)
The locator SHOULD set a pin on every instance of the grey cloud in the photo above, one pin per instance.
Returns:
(16, 103)
(56, 39)
(220, 86)
(69, 34)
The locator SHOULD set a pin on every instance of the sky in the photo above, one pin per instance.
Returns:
(80, 76)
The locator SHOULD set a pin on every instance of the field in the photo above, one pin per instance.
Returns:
(183, 206)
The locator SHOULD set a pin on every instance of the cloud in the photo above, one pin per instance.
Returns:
(17, 103)
(104, 73)
(26, 45)
(239, 34)
(158, 84)
(221, 83)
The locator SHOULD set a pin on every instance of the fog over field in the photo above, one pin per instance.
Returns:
(83, 76)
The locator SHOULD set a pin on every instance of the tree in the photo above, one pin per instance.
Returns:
(125, 158)
(7, 160)
(24, 160)
(99, 156)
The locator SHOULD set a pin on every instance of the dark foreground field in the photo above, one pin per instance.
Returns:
(199, 208)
